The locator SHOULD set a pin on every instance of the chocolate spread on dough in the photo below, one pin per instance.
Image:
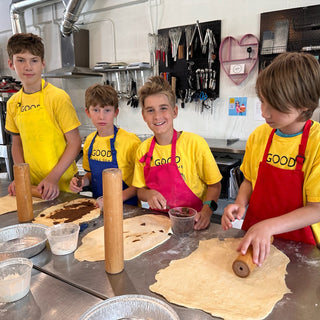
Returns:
(73, 211)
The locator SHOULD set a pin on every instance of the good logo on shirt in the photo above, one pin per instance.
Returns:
(101, 153)
(282, 160)
(29, 107)
(161, 161)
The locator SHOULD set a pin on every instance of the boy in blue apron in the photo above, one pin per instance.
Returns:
(281, 164)
(108, 147)
(42, 121)
(174, 169)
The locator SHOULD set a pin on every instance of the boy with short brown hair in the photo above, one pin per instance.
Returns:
(109, 146)
(281, 164)
(193, 178)
(41, 119)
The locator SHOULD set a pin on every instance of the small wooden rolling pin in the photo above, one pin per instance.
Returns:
(243, 265)
(35, 192)
(23, 192)
(113, 220)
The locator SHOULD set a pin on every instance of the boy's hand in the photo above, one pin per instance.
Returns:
(156, 200)
(231, 212)
(76, 184)
(12, 189)
(259, 237)
(202, 219)
(48, 189)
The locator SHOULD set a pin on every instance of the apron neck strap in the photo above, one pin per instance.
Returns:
(43, 82)
(302, 147)
(153, 143)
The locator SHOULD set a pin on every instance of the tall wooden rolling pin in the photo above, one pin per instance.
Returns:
(113, 220)
(22, 180)
(243, 265)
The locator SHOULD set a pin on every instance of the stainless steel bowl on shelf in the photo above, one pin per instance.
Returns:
(23, 240)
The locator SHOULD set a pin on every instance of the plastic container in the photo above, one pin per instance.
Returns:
(63, 238)
(182, 220)
(15, 278)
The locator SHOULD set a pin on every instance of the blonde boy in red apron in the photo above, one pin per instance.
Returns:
(281, 165)
(174, 168)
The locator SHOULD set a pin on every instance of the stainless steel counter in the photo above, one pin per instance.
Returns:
(227, 145)
(302, 279)
(49, 298)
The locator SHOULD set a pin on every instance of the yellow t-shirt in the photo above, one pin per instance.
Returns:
(60, 111)
(282, 154)
(194, 159)
(126, 144)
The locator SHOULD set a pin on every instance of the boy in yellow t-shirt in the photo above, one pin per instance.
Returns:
(193, 178)
(109, 146)
(41, 120)
(281, 164)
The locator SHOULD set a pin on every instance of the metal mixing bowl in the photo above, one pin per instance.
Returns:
(22, 240)
(131, 306)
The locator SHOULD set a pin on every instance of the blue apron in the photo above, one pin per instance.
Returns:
(97, 167)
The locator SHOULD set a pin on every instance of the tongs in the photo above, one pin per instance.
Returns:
(203, 46)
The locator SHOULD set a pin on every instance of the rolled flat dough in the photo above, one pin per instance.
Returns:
(205, 280)
(9, 203)
(140, 234)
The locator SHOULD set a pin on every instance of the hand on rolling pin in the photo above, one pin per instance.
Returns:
(49, 189)
(231, 212)
(260, 237)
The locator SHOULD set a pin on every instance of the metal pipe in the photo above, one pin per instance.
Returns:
(71, 16)
(17, 9)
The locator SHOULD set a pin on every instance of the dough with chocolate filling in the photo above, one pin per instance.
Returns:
(76, 211)
(140, 234)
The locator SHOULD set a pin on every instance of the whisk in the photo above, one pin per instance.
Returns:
(188, 34)
(152, 47)
(175, 36)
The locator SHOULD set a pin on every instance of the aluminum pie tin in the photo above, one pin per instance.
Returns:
(131, 306)
(22, 240)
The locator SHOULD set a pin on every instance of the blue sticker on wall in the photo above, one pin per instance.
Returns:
(238, 106)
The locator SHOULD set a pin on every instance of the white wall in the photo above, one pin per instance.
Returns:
(119, 33)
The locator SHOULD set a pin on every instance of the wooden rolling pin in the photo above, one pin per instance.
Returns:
(243, 265)
(23, 192)
(113, 220)
(35, 192)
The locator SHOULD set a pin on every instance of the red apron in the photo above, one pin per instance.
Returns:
(167, 180)
(279, 191)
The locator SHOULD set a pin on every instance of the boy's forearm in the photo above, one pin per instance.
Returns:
(69, 155)
(129, 193)
(213, 192)
(17, 150)
(244, 193)
(142, 194)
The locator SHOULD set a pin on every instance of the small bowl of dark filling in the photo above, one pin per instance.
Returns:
(182, 220)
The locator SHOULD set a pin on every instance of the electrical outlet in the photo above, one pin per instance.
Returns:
(155, 3)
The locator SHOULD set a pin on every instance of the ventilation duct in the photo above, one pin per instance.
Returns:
(74, 45)
(74, 57)
(17, 9)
